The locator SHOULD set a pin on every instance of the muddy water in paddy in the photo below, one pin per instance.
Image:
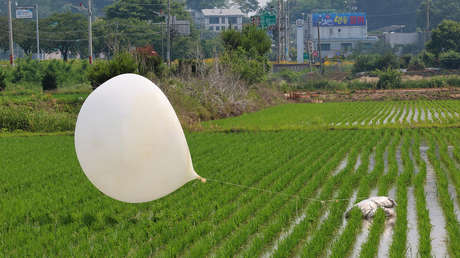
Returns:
(393, 120)
(438, 231)
(401, 118)
(371, 162)
(385, 121)
(429, 117)
(416, 115)
(385, 240)
(387, 236)
(409, 115)
(436, 115)
(344, 222)
(341, 166)
(442, 114)
(412, 230)
(361, 238)
(422, 115)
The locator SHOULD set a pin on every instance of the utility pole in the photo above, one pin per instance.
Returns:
(427, 36)
(90, 32)
(38, 35)
(319, 51)
(286, 32)
(168, 43)
(278, 18)
(10, 28)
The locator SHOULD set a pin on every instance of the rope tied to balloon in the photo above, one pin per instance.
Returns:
(131, 146)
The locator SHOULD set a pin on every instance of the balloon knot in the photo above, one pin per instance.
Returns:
(203, 180)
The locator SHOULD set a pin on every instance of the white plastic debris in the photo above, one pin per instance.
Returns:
(369, 206)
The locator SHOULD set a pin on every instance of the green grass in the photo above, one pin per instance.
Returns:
(344, 115)
(49, 208)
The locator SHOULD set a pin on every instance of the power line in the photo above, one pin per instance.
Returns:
(392, 14)
(83, 39)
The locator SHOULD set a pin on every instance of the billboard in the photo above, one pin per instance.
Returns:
(339, 19)
(24, 13)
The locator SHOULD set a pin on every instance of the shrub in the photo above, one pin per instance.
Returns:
(289, 75)
(416, 64)
(389, 79)
(429, 58)
(49, 80)
(150, 63)
(364, 63)
(388, 60)
(248, 66)
(450, 60)
(105, 70)
(405, 60)
(2, 80)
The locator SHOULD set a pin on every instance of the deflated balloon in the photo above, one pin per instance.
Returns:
(130, 143)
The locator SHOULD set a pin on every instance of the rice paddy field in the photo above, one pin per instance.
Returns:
(279, 184)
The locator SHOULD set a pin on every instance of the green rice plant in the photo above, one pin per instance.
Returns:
(344, 243)
(248, 209)
(398, 245)
(260, 219)
(423, 219)
(370, 247)
(290, 244)
(322, 237)
(453, 226)
(236, 195)
(256, 249)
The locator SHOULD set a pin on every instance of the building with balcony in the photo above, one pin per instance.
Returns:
(221, 19)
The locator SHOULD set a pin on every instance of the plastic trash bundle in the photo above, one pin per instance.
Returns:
(369, 206)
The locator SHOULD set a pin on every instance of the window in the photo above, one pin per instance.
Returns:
(222, 28)
(213, 20)
(217, 28)
(222, 20)
(232, 20)
(211, 28)
(346, 46)
(325, 47)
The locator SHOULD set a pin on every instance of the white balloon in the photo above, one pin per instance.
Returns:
(130, 143)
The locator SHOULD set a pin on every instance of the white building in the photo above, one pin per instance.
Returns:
(339, 32)
(222, 19)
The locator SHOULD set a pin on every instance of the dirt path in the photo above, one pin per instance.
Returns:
(366, 95)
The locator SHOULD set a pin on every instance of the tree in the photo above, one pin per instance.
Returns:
(115, 35)
(246, 53)
(439, 10)
(4, 33)
(247, 6)
(205, 4)
(250, 39)
(445, 37)
(147, 10)
(25, 35)
(66, 32)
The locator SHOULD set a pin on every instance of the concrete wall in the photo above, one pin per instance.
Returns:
(398, 38)
(343, 32)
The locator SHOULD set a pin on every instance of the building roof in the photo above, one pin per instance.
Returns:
(222, 12)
